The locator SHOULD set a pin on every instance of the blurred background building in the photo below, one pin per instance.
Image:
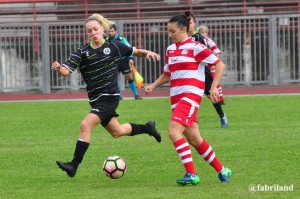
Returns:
(259, 38)
(78, 10)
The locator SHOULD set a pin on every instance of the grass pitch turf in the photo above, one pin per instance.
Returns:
(260, 146)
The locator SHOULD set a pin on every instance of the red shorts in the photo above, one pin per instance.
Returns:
(185, 113)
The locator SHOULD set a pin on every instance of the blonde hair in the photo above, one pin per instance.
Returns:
(203, 29)
(100, 19)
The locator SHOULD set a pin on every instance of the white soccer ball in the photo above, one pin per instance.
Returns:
(114, 167)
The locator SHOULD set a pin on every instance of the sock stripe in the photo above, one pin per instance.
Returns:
(186, 160)
(182, 145)
(185, 154)
(212, 157)
(206, 152)
(188, 152)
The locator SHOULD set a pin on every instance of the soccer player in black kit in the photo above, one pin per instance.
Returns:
(98, 64)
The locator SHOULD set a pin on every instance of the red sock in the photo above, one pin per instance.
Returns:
(184, 151)
(207, 153)
(220, 93)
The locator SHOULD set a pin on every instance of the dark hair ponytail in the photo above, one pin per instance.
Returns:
(182, 21)
(190, 15)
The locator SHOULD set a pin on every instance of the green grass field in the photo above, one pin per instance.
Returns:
(261, 146)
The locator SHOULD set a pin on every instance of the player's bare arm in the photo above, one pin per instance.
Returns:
(214, 93)
(160, 81)
(146, 53)
(62, 70)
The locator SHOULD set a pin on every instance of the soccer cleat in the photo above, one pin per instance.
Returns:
(188, 178)
(137, 97)
(224, 123)
(224, 175)
(152, 131)
(67, 167)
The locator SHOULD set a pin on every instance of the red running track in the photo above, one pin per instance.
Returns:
(156, 93)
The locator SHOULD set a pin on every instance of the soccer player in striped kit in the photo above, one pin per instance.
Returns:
(184, 69)
(208, 73)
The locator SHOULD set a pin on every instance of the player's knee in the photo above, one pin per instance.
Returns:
(173, 135)
(84, 126)
(115, 134)
(129, 77)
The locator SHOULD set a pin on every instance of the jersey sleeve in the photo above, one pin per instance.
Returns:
(74, 60)
(124, 50)
(213, 47)
(203, 54)
(166, 69)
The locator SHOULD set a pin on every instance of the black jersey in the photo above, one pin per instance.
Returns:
(99, 67)
(124, 41)
(197, 37)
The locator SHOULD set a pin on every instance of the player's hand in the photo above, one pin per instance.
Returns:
(148, 89)
(214, 95)
(56, 66)
(152, 56)
(130, 62)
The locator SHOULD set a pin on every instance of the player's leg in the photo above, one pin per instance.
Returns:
(222, 99)
(132, 85)
(182, 117)
(126, 70)
(205, 150)
(185, 154)
(218, 105)
(107, 113)
(131, 129)
(86, 126)
(222, 115)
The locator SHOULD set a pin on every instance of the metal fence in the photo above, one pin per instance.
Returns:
(256, 50)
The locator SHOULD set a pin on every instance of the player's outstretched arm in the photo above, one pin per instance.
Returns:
(160, 81)
(62, 70)
(146, 53)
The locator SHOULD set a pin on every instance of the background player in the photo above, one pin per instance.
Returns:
(208, 75)
(125, 63)
(212, 46)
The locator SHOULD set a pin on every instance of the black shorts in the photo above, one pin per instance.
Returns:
(208, 80)
(124, 67)
(105, 108)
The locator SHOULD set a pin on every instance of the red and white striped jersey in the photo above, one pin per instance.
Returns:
(185, 64)
(212, 46)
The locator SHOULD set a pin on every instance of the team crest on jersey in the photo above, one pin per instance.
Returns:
(106, 51)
